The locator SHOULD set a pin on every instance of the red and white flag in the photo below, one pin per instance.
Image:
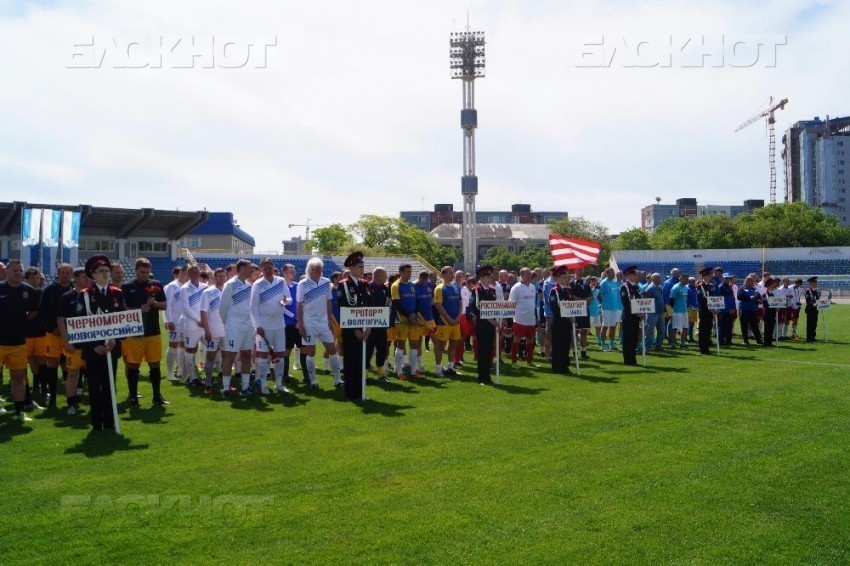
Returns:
(573, 252)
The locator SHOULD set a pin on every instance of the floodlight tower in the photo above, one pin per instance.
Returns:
(466, 61)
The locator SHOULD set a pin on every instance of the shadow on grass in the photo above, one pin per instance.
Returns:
(596, 378)
(10, 427)
(103, 443)
(62, 419)
(287, 399)
(372, 407)
(393, 386)
(155, 414)
(426, 382)
(518, 389)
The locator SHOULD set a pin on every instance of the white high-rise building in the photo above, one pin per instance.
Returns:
(816, 154)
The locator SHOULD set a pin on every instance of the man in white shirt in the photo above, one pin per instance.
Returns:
(193, 332)
(314, 315)
(269, 296)
(238, 332)
(525, 317)
(171, 314)
(213, 326)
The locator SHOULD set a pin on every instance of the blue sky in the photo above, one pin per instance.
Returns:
(355, 112)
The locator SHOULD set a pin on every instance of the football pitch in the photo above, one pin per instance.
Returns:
(741, 458)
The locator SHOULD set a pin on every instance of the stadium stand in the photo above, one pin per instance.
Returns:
(831, 265)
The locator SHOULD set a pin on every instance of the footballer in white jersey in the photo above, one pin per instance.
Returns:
(269, 296)
(211, 312)
(213, 326)
(235, 311)
(171, 314)
(190, 299)
(315, 298)
(173, 307)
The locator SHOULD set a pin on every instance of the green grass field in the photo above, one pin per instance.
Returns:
(742, 458)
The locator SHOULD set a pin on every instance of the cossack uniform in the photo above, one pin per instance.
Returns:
(485, 331)
(353, 292)
(97, 299)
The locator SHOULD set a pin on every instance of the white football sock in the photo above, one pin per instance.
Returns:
(311, 369)
(335, 368)
(262, 365)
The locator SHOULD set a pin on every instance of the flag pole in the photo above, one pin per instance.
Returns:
(575, 348)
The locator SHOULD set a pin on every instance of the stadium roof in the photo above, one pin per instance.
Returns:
(111, 222)
(223, 223)
(495, 232)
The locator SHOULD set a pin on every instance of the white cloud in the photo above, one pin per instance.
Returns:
(356, 113)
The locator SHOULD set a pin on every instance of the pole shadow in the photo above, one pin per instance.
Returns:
(103, 443)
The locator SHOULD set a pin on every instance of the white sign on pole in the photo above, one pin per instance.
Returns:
(716, 303)
(103, 327)
(362, 318)
(823, 304)
(107, 326)
(572, 309)
(776, 302)
(643, 306)
(497, 309)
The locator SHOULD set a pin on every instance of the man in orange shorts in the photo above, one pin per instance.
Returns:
(146, 294)
(48, 312)
(74, 362)
(36, 355)
(18, 305)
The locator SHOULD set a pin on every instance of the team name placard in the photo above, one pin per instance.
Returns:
(106, 326)
(823, 304)
(497, 309)
(572, 309)
(364, 317)
(643, 306)
(776, 302)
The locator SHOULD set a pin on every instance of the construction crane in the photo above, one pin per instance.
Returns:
(768, 113)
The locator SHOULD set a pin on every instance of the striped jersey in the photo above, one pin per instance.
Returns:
(211, 304)
(314, 295)
(190, 298)
(267, 301)
(236, 302)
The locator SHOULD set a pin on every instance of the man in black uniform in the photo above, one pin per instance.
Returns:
(485, 330)
(48, 311)
(354, 292)
(582, 292)
(146, 294)
(377, 342)
(561, 331)
(724, 317)
(812, 296)
(18, 306)
(705, 289)
(631, 322)
(99, 297)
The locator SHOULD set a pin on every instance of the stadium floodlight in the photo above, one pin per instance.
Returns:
(466, 62)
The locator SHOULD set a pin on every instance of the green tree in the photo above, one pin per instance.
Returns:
(501, 257)
(790, 225)
(711, 231)
(535, 256)
(632, 239)
(395, 236)
(330, 239)
(673, 234)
